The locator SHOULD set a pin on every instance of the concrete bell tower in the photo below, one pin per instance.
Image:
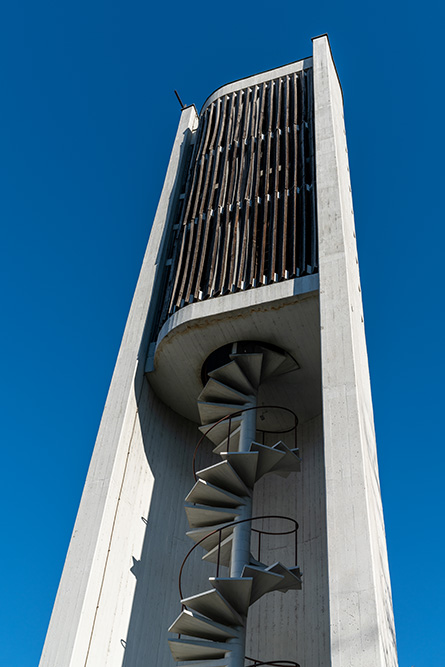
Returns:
(232, 513)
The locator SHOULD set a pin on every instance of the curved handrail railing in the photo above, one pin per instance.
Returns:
(236, 523)
(230, 416)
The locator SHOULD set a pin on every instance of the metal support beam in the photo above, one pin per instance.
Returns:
(241, 534)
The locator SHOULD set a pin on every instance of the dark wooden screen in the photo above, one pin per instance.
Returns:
(248, 213)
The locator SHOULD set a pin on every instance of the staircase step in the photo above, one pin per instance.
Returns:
(268, 458)
(225, 552)
(229, 444)
(263, 581)
(204, 493)
(290, 462)
(288, 365)
(194, 625)
(291, 577)
(232, 375)
(220, 431)
(245, 464)
(250, 364)
(213, 605)
(208, 544)
(271, 363)
(213, 412)
(195, 649)
(224, 476)
(237, 591)
(203, 516)
(218, 392)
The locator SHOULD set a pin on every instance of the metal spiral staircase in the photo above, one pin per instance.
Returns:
(219, 512)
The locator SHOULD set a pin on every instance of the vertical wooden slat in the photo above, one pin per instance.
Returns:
(228, 213)
(247, 272)
(256, 187)
(208, 196)
(247, 191)
(302, 179)
(219, 200)
(276, 176)
(286, 168)
(206, 251)
(244, 180)
(294, 188)
(266, 190)
(237, 202)
(218, 281)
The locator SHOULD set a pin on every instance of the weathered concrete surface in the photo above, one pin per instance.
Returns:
(360, 606)
(74, 614)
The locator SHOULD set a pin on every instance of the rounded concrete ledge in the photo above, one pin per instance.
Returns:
(256, 79)
(280, 313)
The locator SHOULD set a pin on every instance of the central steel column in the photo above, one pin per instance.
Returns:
(241, 534)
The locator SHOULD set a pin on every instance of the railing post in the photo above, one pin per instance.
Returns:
(182, 609)
(228, 435)
(219, 551)
(259, 545)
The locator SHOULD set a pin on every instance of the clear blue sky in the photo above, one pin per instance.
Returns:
(87, 119)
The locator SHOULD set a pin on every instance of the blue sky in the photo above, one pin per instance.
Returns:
(87, 119)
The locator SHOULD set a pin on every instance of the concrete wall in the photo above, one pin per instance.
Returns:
(118, 592)
(295, 625)
(362, 625)
(115, 465)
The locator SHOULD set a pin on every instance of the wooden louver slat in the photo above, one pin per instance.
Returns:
(248, 217)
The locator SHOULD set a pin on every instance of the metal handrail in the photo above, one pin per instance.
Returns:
(236, 523)
(231, 415)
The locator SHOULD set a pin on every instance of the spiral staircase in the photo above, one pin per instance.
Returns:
(211, 626)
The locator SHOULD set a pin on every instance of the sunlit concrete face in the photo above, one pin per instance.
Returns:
(361, 617)
(119, 589)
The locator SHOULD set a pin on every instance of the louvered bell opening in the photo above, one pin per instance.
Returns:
(248, 213)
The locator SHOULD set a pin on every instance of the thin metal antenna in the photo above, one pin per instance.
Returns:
(179, 100)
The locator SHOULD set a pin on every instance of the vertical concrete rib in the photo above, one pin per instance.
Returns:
(362, 626)
(241, 534)
(75, 607)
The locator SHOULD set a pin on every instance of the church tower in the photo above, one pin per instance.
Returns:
(232, 512)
